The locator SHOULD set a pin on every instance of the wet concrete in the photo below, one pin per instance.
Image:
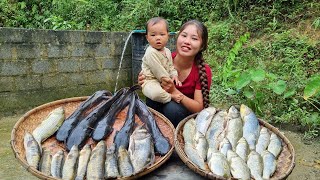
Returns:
(307, 159)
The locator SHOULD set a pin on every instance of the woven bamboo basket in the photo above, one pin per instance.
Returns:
(285, 161)
(29, 121)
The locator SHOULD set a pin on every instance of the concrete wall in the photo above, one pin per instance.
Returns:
(40, 66)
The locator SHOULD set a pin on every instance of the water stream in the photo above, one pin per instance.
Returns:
(124, 49)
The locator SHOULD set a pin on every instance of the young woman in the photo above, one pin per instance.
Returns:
(194, 74)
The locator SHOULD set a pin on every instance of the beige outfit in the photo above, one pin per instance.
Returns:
(155, 66)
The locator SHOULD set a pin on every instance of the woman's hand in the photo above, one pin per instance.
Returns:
(167, 84)
(141, 78)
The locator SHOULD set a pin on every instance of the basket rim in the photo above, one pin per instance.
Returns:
(211, 175)
(32, 170)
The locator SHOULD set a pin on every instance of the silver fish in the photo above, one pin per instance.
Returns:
(263, 140)
(83, 162)
(124, 163)
(201, 145)
(255, 164)
(215, 132)
(242, 149)
(275, 145)
(224, 146)
(49, 125)
(57, 164)
(95, 169)
(251, 127)
(234, 126)
(141, 149)
(45, 164)
(32, 150)
(204, 118)
(194, 156)
(218, 164)
(189, 130)
(239, 168)
(69, 167)
(269, 164)
(111, 164)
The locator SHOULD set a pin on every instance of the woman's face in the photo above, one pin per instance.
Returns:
(189, 41)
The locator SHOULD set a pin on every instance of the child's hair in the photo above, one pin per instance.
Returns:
(154, 21)
(203, 32)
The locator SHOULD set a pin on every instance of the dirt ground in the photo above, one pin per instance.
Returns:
(307, 158)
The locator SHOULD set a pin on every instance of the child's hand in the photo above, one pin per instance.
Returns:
(176, 80)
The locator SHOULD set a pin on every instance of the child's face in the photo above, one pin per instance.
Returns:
(158, 35)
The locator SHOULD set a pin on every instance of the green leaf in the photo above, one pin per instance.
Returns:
(257, 75)
(243, 80)
(248, 94)
(231, 92)
(312, 87)
(289, 93)
(279, 87)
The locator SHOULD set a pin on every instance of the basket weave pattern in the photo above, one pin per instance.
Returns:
(29, 121)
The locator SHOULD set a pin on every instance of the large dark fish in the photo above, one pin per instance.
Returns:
(123, 135)
(83, 130)
(104, 126)
(70, 122)
(162, 145)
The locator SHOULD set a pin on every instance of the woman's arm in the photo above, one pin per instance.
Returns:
(193, 105)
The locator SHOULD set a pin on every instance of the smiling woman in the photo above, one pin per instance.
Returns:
(194, 74)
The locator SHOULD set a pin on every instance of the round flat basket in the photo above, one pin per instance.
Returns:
(285, 161)
(29, 121)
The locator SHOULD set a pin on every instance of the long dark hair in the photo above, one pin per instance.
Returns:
(203, 32)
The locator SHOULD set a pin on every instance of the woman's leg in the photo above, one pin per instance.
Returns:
(175, 112)
(154, 105)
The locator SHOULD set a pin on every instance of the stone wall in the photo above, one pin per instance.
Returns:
(40, 66)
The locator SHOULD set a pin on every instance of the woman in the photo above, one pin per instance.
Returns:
(194, 74)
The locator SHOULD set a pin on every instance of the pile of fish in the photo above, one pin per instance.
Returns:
(231, 143)
(133, 149)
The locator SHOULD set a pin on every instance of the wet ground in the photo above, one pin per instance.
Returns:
(307, 158)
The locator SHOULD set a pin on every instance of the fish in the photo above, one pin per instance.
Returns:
(218, 164)
(95, 169)
(234, 126)
(141, 149)
(104, 127)
(57, 164)
(242, 149)
(251, 127)
(239, 168)
(263, 140)
(269, 164)
(255, 164)
(204, 118)
(124, 162)
(194, 157)
(216, 129)
(70, 122)
(45, 162)
(224, 146)
(70, 164)
(123, 135)
(201, 145)
(111, 163)
(80, 134)
(49, 125)
(161, 143)
(275, 145)
(32, 149)
(189, 130)
(84, 157)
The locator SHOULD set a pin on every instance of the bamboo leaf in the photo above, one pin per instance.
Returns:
(312, 87)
